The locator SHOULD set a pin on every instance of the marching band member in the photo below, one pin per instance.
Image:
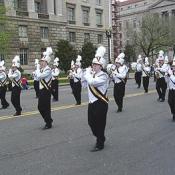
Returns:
(171, 85)
(160, 71)
(3, 87)
(138, 73)
(15, 77)
(119, 77)
(44, 75)
(97, 84)
(36, 81)
(54, 84)
(77, 75)
(70, 77)
(146, 74)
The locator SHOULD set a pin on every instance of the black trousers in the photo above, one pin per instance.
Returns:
(36, 87)
(77, 91)
(171, 100)
(54, 87)
(146, 83)
(71, 81)
(97, 113)
(119, 93)
(161, 87)
(44, 105)
(3, 91)
(15, 98)
(138, 77)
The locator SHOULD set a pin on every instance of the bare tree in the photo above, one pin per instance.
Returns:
(153, 34)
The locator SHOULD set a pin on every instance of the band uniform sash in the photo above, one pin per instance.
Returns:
(47, 85)
(3, 83)
(17, 83)
(98, 94)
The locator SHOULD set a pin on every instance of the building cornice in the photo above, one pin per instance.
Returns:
(37, 20)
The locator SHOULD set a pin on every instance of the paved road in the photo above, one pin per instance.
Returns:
(140, 140)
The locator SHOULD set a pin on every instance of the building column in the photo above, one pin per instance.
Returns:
(50, 7)
(31, 9)
(59, 7)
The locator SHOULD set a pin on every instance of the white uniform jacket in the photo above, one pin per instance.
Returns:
(77, 75)
(99, 80)
(55, 73)
(15, 77)
(44, 74)
(118, 75)
(146, 71)
(3, 78)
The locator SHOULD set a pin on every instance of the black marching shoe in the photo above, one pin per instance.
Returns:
(97, 148)
(173, 119)
(119, 110)
(47, 126)
(79, 103)
(17, 113)
(161, 100)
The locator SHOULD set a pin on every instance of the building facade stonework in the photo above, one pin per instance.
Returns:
(132, 11)
(36, 24)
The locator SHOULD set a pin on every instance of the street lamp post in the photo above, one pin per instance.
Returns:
(108, 35)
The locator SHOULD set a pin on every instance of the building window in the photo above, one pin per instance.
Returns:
(42, 50)
(134, 23)
(23, 31)
(98, 2)
(72, 37)
(120, 26)
(71, 13)
(173, 12)
(37, 7)
(44, 31)
(86, 16)
(99, 17)
(1, 1)
(55, 7)
(24, 56)
(100, 39)
(86, 37)
(2, 57)
(165, 14)
(127, 24)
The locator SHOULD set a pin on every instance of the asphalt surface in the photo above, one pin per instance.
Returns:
(140, 140)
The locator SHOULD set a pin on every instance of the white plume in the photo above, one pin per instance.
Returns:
(100, 52)
(2, 63)
(56, 59)
(146, 59)
(16, 59)
(72, 62)
(79, 58)
(161, 53)
(49, 51)
(36, 61)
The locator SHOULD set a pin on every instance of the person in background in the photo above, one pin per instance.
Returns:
(3, 86)
(24, 83)
(146, 74)
(54, 84)
(15, 77)
(36, 81)
(76, 74)
(171, 86)
(138, 74)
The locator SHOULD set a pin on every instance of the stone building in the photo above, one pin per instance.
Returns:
(131, 12)
(37, 24)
